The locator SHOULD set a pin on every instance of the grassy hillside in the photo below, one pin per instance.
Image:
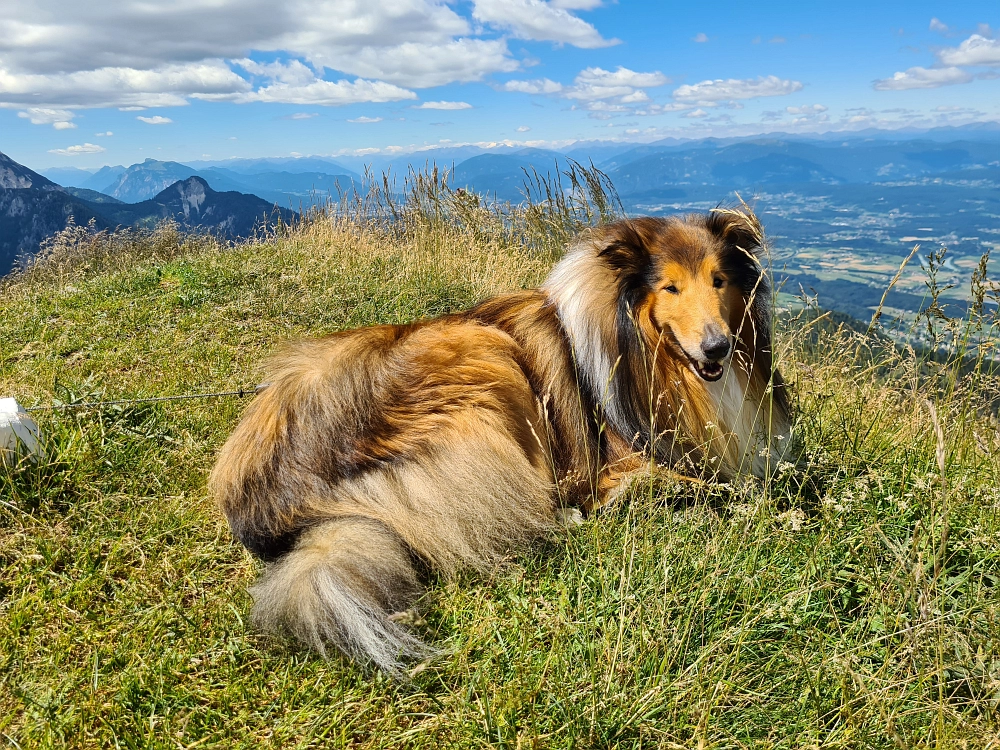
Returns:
(866, 614)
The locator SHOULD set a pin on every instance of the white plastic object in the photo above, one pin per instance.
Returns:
(18, 432)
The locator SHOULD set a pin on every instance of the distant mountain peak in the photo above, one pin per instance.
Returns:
(192, 184)
(191, 192)
(17, 176)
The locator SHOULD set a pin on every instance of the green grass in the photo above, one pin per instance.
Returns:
(866, 614)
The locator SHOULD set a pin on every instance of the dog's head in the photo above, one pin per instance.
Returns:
(691, 280)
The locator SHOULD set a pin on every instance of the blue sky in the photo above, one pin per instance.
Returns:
(211, 79)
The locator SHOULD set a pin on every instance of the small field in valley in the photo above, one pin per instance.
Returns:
(853, 601)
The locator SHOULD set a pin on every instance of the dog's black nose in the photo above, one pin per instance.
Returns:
(715, 347)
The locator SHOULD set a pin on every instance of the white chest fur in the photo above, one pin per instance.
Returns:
(743, 427)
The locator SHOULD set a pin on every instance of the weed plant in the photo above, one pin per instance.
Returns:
(853, 600)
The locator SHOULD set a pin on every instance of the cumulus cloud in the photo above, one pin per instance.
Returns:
(923, 78)
(937, 25)
(155, 120)
(168, 86)
(596, 83)
(695, 114)
(293, 72)
(365, 120)
(700, 37)
(540, 21)
(635, 97)
(57, 118)
(303, 115)
(576, 4)
(523, 129)
(603, 93)
(135, 54)
(806, 109)
(325, 93)
(105, 134)
(84, 148)
(536, 86)
(733, 88)
(976, 50)
(428, 65)
(445, 105)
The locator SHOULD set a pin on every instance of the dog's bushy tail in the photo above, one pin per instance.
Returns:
(337, 586)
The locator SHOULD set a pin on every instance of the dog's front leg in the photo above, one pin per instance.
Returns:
(616, 478)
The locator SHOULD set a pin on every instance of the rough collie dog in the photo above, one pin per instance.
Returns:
(377, 455)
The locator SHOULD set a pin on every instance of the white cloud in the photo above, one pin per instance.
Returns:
(294, 72)
(539, 21)
(695, 114)
(976, 50)
(303, 115)
(428, 65)
(105, 134)
(85, 148)
(576, 4)
(635, 97)
(445, 105)
(937, 25)
(136, 54)
(923, 78)
(596, 83)
(121, 87)
(733, 88)
(659, 109)
(57, 118)
(601, 106)
(536, 86)
(806, 109)
(325, 93)
(365, 120)
(603, 93)
(51, 36)
(523, 129)
(155, 120)
(700, 37)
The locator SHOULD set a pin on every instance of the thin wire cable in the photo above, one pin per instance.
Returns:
(241, 393)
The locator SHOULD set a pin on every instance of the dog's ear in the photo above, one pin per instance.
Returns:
(738, 230)
(624, 246)
(742, 237)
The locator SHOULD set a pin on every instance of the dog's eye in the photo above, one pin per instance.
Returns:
(672, 289)
(718, 283)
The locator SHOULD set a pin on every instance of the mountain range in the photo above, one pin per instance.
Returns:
(32, 207)
(841, 210)
(290, 182)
